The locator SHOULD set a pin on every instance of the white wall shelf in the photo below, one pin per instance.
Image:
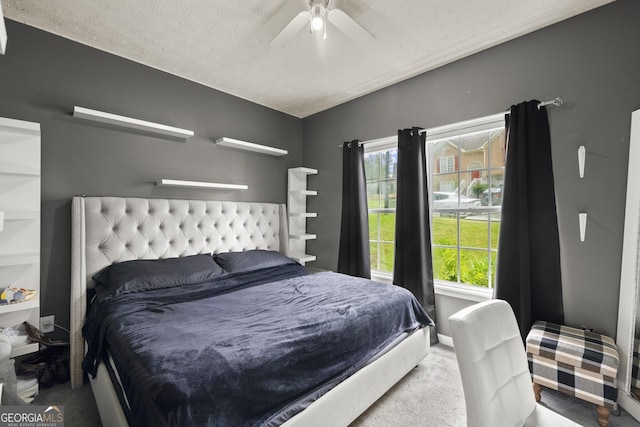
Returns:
(298, 215)
(302, 259)
(18, 306)
(20, 238)
(303, 192)
(3, 33)
(250, 146)
(24, 349)
(21, 215)
(11, 169)
(303, 215)
(131, 123)
(199, 184)
(18, 259)
(302, 236)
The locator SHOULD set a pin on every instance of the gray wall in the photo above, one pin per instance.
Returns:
(43, 76)
(593, 62)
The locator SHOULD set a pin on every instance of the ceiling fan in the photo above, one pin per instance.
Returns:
(316, 17)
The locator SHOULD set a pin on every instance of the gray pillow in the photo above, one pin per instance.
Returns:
(147, 274)
(238, 262)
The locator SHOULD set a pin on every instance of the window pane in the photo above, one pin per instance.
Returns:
(445, 264)
(445, 183)
(492, 196)
(373, 226)
(373, 194)
(444, 230)
(388, 227)
(372, 166)
(474, 267)
(474, 231)
(494, 257)
(386, 257)
(495, 228)
(388, 194)
(389, 164)
(373, 251)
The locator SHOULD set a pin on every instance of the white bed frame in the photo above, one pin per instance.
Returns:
(106, 230)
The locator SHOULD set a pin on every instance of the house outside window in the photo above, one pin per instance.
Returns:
(466, 174)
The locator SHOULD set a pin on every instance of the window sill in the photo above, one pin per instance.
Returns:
(463, 292)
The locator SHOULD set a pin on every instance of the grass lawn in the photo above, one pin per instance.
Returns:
(474, 258)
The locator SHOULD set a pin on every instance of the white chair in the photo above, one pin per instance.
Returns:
(495, 373)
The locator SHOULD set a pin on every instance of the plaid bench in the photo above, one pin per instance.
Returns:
(580, 363)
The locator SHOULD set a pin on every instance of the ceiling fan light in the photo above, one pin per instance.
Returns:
(318, 13)
(317, 23)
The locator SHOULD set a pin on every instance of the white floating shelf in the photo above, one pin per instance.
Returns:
(304, 192)
(21, 215)
(19, 259)
(302, 236)
(13, 169)
(199, 184)
(128, 122)
(19, 127)
(303, 258)
(303, 214)
(3, 33)
(304, 171)
(24, 349)
(250, 146)
(32, 303)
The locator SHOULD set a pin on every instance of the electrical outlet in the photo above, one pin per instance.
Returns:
(47, 323)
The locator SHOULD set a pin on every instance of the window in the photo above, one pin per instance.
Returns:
(447, 164)
(380, 171)
(466, 174)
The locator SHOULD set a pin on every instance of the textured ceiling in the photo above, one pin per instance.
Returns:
(225, 44)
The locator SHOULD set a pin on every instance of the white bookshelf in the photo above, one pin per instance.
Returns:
(297, 194)
(20, 237)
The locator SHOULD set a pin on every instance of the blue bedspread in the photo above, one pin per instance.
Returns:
(238, 351)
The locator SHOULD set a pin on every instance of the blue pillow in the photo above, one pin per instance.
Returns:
(238, 262)
(147, 274)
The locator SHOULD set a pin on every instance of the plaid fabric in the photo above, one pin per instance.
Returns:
(576, 362)
(635, 367)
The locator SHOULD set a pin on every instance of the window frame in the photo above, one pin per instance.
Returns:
(458, 290)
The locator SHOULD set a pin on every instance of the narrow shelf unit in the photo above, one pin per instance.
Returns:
(20, 237)
(297, 193)
(131, 123)
(250, 146)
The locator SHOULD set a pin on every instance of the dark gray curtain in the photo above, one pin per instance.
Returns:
(413, 265)
(353, 255)
(528, 265)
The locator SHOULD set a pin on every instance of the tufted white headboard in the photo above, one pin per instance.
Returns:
(106, 230)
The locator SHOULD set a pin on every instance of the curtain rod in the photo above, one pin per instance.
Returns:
(556, 102)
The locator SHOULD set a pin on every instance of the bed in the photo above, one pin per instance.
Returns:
(111, 234)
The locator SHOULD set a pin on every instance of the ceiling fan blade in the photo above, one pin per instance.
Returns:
(299, 21)
(347, 25)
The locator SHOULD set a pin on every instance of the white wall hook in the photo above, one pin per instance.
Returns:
(582, 218)
(582, 153)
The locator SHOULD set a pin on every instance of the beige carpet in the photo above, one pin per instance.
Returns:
(430, 395)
